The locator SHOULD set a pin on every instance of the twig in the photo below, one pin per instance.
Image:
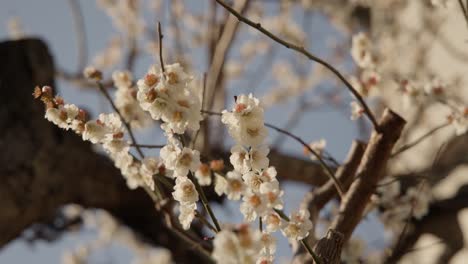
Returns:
(132, 53)
(127, 126)
(419, 140)
(322, 163)
(202, 107)
(205, 221)
(146, 146)
(80, 34)
(206, 204)
(160, 36)
(407, 222)
(192, 242)
(464, 11)
(306, 53)
(221, 49)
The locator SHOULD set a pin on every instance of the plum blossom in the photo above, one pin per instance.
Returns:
(299, 225)
(246, 122)
(203, 175)
(170, 97)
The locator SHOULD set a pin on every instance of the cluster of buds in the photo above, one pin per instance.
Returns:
(66, 116)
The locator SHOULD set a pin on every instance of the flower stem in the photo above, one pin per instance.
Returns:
(206, 203)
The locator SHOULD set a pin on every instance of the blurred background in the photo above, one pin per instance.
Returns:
(413, 40)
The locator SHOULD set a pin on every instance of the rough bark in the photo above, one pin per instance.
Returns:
(370, 171)
(319, 197)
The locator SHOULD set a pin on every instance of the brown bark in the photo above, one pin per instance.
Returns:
(319, 197)
(370, 171)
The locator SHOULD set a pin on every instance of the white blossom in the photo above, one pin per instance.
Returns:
(187, 214)
(227, 248)
(356, 110)
(272, 222)
(246, 121)
(299, 225)
(273, 193)
(240, 159)
(235, 186)
(184, 191)
(318, 147)
(361, 50)
(203, 175)
(220, 184)
(253, 205)
(258, 157)
(63, 116)
(181, 161)
(268, 243)
(126, 102)
(170, 97)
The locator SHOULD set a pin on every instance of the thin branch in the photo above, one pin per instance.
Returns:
(160, 36)
(80, 32)
(407, 223)
(205, 221)
(127, 126)
(132, 53)
(322, 163)
(202, 107)
(146, 146)
(316, 258)
(419, 140)
(306, 53)
(464, 11)
(206, 204)
(192, 242)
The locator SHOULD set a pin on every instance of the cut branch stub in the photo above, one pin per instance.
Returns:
(329, 248)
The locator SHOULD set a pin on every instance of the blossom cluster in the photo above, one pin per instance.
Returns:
(106, 130)
(252, 179)
(171, 97)
(367, 82)
(243, 245)
(110, 232)
(435, 91)
(182, 161)
(168, 97)
(126, 102)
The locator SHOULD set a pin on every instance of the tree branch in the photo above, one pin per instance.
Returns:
(309, 55)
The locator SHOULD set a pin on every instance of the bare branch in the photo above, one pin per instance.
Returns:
(419, 140)
(160, 37)
(306, 53)
(126, 124)
(80, 32)
(328, 171)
